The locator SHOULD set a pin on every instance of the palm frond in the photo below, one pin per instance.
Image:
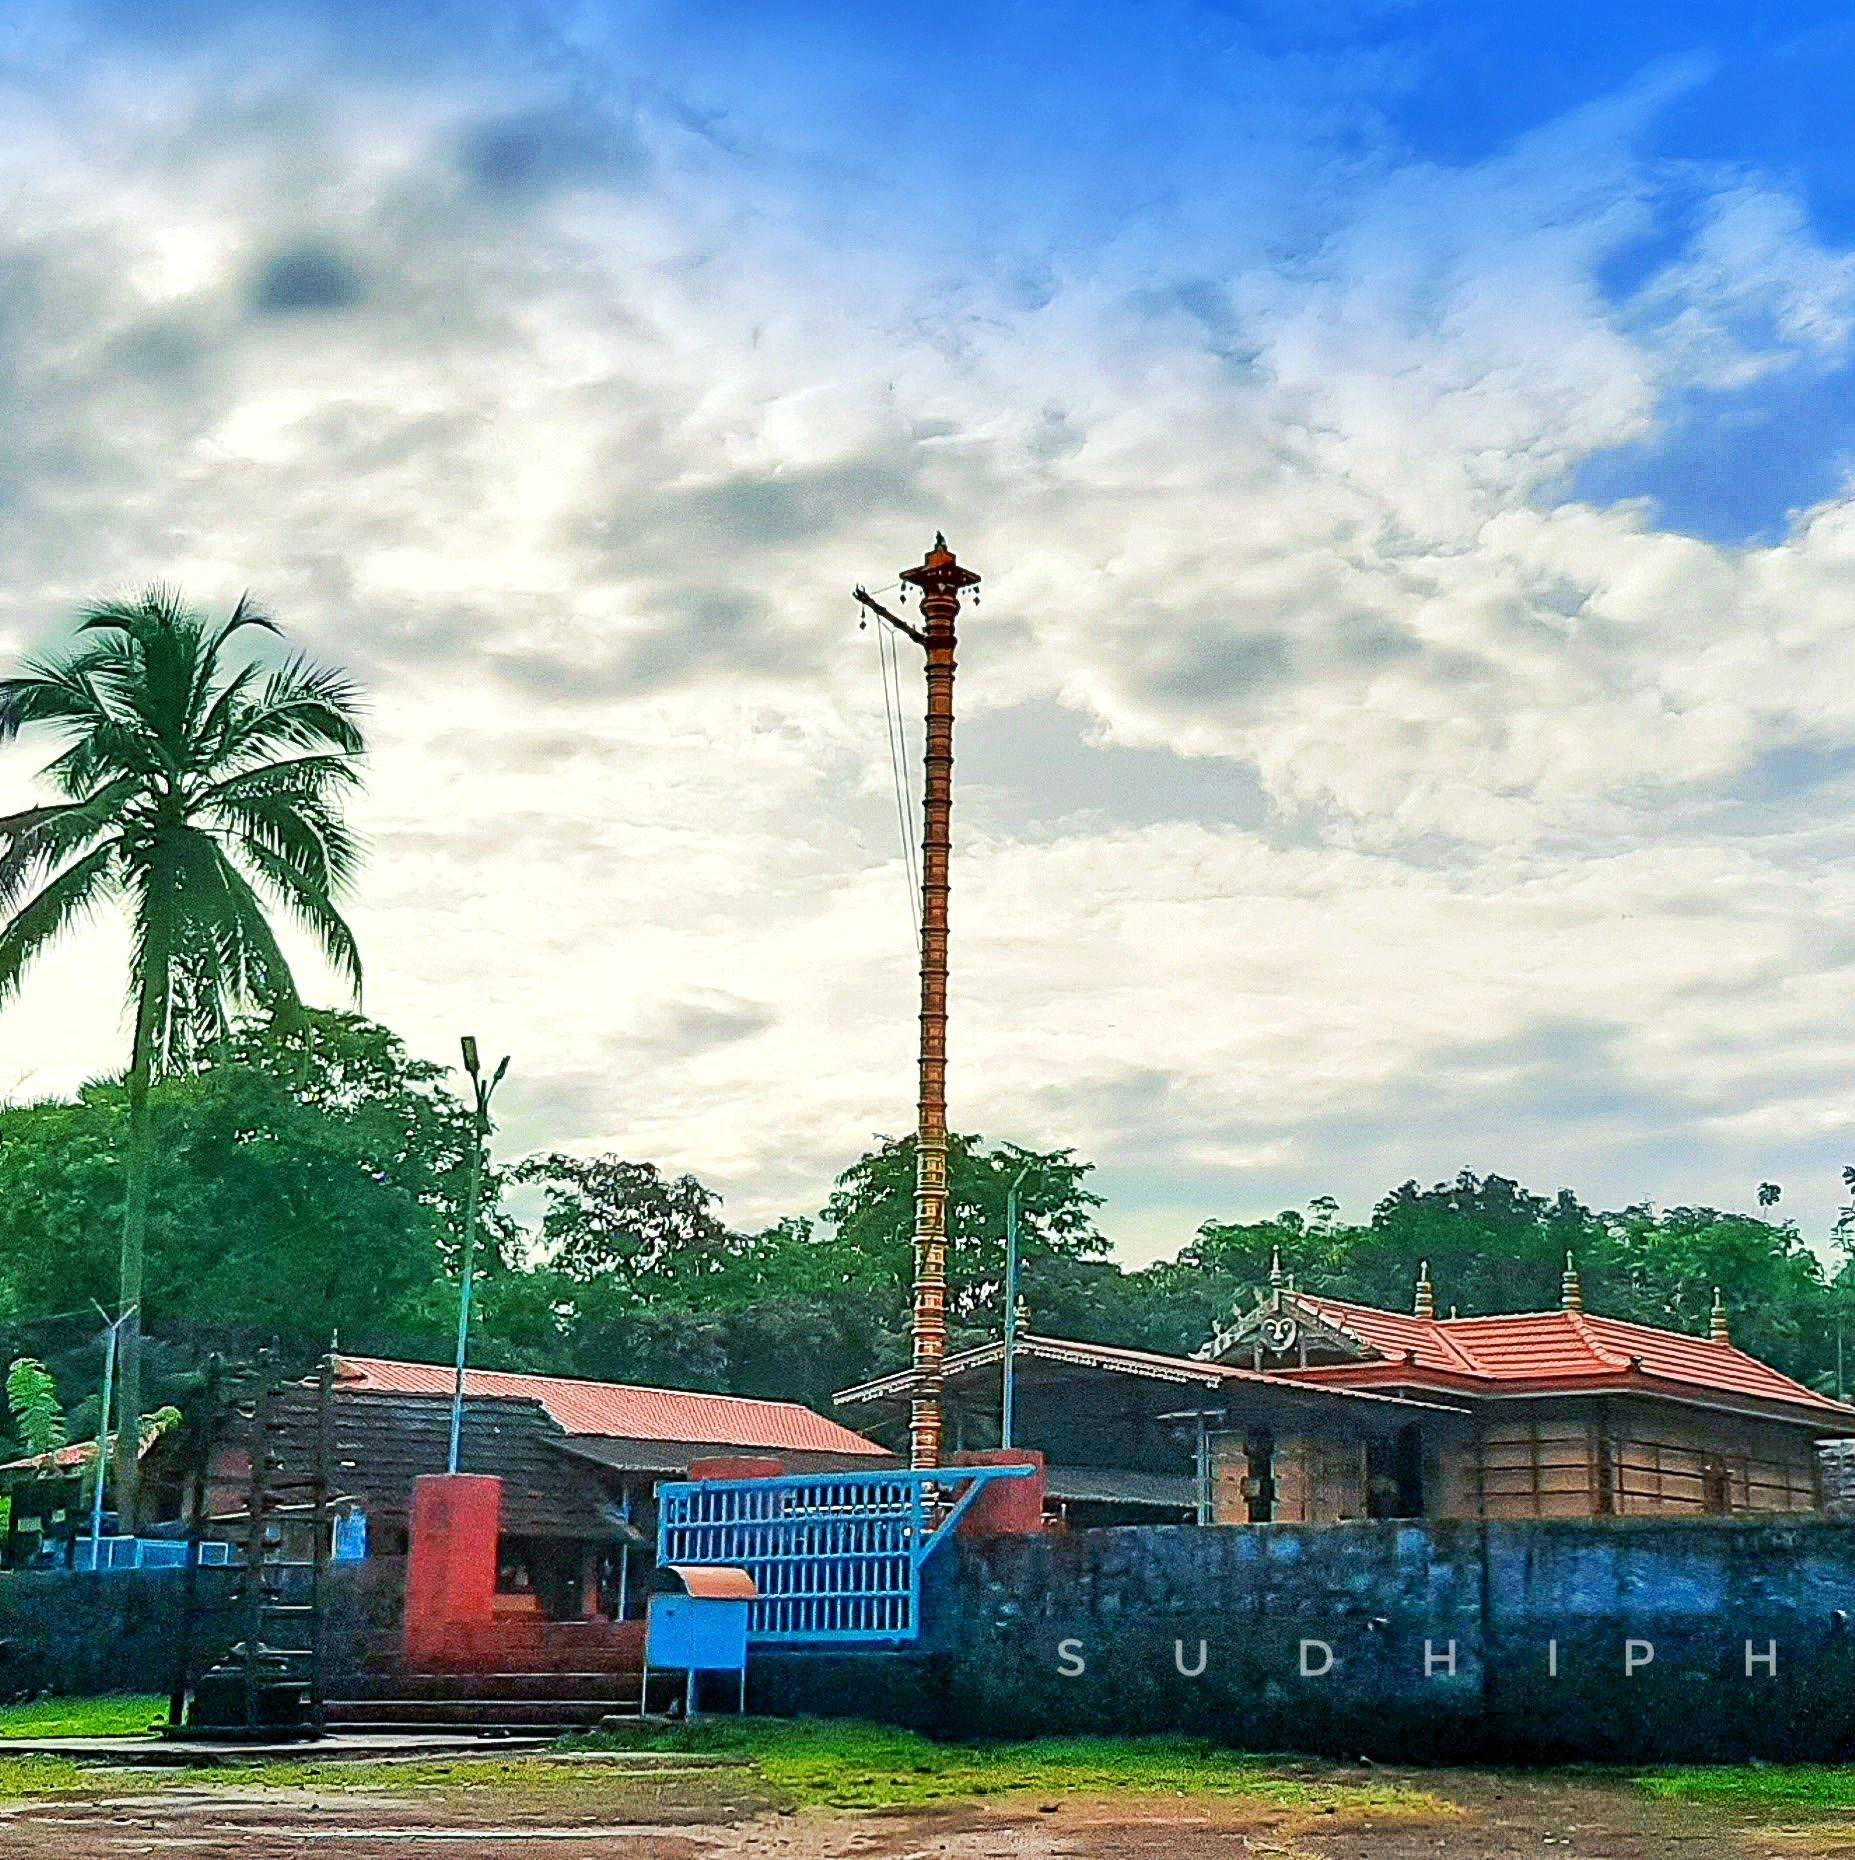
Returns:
(302, 706)
(251, 958)
(46, 692)
(222, 714)
(313, 909)
(307, 777)
(211, 696)
(39, 840)
(245, 613)
(159, 604)
(221, 956)
(151, 662)
(308, 835)
(38, 923)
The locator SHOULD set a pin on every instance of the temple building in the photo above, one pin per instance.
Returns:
(1307, 1409)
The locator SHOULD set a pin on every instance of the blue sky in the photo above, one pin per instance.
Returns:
(1409, 452)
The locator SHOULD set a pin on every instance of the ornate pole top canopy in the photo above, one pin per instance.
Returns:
(940, 572)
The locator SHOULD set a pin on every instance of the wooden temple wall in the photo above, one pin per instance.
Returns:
(1637, 1459)
(1660, 1461)
(1543, 1460)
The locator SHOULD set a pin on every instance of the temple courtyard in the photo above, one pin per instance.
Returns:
(766, 1791)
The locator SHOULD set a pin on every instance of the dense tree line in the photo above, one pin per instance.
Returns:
(308, 1185)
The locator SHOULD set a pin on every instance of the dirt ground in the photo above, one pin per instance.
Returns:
(1497, 1818)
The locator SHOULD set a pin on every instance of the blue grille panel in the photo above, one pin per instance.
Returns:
(836, 1557)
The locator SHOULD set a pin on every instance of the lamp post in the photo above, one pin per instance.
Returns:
(1008, 1409)
(109, 1377)
(481, 1091)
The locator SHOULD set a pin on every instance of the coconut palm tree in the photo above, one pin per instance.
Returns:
(198, 786)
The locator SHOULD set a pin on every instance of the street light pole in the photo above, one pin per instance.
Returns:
(481, 1091)
(109, 1377)
(1008, 1410)
(941, 581)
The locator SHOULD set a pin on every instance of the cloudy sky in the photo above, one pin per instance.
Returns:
(1411, 718)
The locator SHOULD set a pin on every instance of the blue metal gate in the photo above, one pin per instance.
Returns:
(836, 1557)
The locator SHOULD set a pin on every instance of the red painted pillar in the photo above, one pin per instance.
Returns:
(1005, 1507)
(455, 1521)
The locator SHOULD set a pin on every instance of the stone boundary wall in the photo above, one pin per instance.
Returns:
(1835, 1475)
(75, 1632)
(1539, 1641)
(72, 1633)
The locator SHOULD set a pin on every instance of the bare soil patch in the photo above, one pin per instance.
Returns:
(1495, 1817)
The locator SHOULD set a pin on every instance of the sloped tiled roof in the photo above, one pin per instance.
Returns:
(68, 1458)
(59, 1459)
(1392, 1333)
(1069, 1352)
(1539, 1350)
(626, 1410)
(380, 1442)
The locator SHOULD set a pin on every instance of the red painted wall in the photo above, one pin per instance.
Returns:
(1004, 1507)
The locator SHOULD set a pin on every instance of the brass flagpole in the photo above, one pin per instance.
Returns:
(941, 581)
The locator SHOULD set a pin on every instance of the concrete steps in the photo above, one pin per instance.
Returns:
(514, 1703)
(526, 1716)
(515, 1674)
(595, 1684)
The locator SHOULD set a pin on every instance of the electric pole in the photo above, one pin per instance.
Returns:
(941, 581)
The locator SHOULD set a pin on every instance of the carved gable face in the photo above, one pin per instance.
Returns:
(1280, 1331)
(1283, 1332)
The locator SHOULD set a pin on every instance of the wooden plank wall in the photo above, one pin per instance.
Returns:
(1661, 1459)
(1548, 1460)
(1544, 1466)
(1230, 1466)
(1639, 1459)
(1326, 1480)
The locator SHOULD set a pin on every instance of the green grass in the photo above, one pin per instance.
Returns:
(120, 1716)
(838, 1764)
(25, 1779)
(1790, 1785)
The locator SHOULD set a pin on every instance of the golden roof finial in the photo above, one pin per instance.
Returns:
(1571, 1291)
(1426, 1293)
(1718, 1329)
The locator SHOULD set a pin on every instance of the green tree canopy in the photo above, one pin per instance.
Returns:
(306, 1179)
(872, 1213)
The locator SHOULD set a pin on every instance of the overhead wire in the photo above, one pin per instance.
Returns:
(890, 675)
(913, 833)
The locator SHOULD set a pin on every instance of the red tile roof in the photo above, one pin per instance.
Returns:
(1391, 1333)
(59, 1459)
(1538, 1350)
(625, 1410)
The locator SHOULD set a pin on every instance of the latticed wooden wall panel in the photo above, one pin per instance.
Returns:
(1318, 1479)
(1663, 1460)
(1541, 1467)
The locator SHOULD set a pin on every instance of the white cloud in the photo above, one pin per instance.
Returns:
(569, 424)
